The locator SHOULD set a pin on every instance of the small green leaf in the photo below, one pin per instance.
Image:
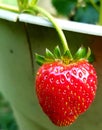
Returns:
(67, 58)
(91, 58)
(33, 2)
(40, 59)
(81, 53)
(23, 4)
(49, 54)
(64, 7)
(57, 52)
(87, 14)
(67, 55)
(88, 53)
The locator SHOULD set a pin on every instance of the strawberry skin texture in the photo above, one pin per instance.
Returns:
(65, 91)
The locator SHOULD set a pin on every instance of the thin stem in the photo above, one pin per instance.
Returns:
(55, 24)
(100, 14)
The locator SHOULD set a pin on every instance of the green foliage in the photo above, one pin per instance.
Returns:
(24, 4)
(64, 7)
(86, 14)
(7, 121)
(86, 11)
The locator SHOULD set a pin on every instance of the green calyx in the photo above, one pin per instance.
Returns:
(66, 58)
(49, 56)
(84, 53)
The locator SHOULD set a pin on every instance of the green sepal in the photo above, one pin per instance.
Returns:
(40, 59)
(91, 57)
(88, 53)
(81, 53)
(67, 55)
(49, 54)
(57, 52)
(67, 58)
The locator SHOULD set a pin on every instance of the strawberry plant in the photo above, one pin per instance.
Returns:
(66, 84)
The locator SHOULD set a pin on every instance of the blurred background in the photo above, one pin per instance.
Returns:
(7, 121)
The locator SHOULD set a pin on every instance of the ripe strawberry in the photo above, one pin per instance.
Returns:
(65, 88)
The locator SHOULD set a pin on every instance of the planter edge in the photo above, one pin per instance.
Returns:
(64, 24)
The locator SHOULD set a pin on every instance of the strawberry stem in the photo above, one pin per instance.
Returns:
(55, 24)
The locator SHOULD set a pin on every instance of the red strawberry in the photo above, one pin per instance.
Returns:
(65, 89)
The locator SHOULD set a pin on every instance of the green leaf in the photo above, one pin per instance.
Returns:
(67, 55)
(87, 14)
(91, 58)
(81, 53)
(64, 7)
(49, 54)
(88, 53)
(95, 1)
(84, 53)
(40, 59)
(57, 52)
(23, 4)
(33, 2)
